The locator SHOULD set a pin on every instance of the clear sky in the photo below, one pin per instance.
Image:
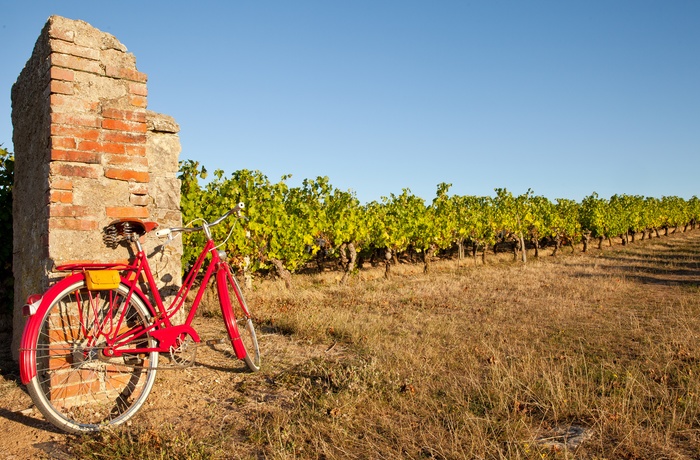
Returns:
(563, 97)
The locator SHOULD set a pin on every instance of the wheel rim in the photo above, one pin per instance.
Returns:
(76, 387)
(249, 338)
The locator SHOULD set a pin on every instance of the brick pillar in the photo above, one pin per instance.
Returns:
(87, 151)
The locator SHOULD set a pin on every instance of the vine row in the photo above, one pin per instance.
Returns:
(288, 227)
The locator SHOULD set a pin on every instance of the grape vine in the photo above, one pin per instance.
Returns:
(288, 227)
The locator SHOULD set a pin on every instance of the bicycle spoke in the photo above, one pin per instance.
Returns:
(77, 387)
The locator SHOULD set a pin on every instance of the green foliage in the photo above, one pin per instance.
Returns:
(405, 222)
(651, 213)
(674, 211)
(281, 221)
(290, 223)
(566, 220)
(694, 210)
(191, 200)
(475, 219)
(345, 219)
(594, 215)
(443, 213)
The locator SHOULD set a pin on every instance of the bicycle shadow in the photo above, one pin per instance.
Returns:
(237, 366)
(220, 353)
(31, 422)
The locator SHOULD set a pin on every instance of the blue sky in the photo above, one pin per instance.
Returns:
(563, 97)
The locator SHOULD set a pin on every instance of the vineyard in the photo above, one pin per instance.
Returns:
(289, 227)
(585, 356)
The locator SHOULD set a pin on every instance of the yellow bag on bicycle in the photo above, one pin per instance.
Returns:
(101, 280)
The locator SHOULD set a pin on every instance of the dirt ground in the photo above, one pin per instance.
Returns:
(216, 391)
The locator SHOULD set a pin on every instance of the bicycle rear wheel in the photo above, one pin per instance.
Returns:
(238, 320)
(76, 387)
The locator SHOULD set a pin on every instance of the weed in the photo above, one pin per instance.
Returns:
(124, 443)
(495, 361)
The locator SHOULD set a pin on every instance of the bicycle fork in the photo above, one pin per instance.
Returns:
(223, 279)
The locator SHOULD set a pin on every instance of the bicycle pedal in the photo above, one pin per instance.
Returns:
(215, 341)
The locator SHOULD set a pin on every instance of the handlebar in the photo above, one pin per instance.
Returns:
(169, 231)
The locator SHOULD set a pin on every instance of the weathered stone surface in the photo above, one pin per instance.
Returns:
(86, 152)
(159, 123)
(109, 93)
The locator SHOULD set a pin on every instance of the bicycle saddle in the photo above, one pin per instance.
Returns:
(124, 229)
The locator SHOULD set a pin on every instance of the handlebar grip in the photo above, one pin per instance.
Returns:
(163, 232)
(237, 210)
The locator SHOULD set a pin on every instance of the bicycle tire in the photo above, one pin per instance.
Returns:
(238, 320)
(75, 388)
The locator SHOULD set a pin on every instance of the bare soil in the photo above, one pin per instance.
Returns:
(218, 391)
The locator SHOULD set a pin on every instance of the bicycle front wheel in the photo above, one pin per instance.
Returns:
(77, 387)
(238, 320)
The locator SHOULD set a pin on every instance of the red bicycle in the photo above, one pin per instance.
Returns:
(90, 348)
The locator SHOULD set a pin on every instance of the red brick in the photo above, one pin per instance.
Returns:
(66, 103)
(138, 101)
(125, 73)
(118, 125)
(63, 361)
(58, 46)
(76, 63)
(136, 150)
(127, 175)
(126, 211)
(117, 114)
(138, 89)
(101, 147)
(67, 210)
(69, 170)
(59, 142)
(61, 87)
(61, 184)
(75, 119)
(60, 196)
(78, 133)
(65, 397)
(129, 115)
(58, 73)
(113, 148)
(75, 156)
(69, 223)
(89, 146)
(121, 160)
(61, 382)
(126, 138)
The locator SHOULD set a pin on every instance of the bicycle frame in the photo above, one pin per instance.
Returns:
(167, 334)
(91, 345)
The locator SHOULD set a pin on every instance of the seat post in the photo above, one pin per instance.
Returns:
(136, 239)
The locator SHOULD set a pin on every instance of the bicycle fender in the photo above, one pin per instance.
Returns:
(226, 312)
(27, 355)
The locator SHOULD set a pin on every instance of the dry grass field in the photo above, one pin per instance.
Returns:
(586, 356)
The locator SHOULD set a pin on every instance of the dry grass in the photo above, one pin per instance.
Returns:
(494, 361)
